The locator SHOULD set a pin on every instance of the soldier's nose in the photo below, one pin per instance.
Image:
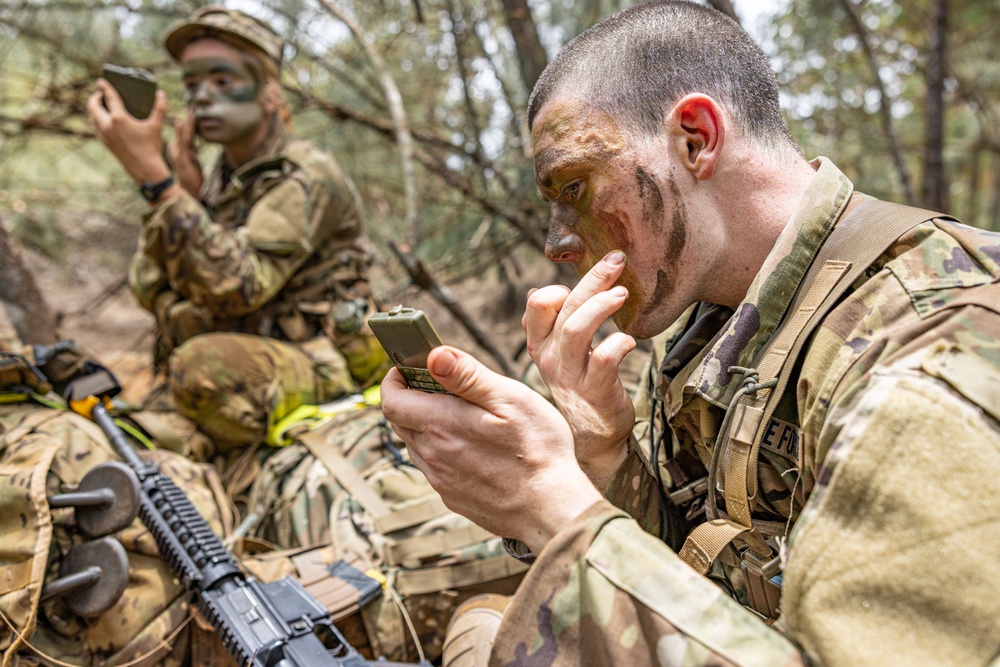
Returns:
(561, 247)
(201, 94)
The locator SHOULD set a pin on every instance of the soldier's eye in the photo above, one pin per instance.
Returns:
(572, 192)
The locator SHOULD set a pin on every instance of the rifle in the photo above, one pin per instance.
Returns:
(276, 624)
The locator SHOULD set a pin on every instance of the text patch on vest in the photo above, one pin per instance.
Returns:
(782, 438)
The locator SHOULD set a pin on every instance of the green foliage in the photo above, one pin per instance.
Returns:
(833, 103)
(455, 64)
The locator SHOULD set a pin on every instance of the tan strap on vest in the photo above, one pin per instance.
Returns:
(342, 471)
(411, 515)
(859, 239)
(704, 544)
(433, 579)
(433, 544)
(386, 519)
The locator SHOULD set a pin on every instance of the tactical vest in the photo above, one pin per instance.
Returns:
(733, 536)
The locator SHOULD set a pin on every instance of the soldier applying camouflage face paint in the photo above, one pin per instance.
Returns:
(806, 484)
(226, 258)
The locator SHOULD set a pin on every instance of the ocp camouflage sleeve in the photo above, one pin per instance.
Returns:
(635, 490)
(605, 592)
(921, 585)
(224, 270)
(269, 249)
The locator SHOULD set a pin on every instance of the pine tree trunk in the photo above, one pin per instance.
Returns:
(530, 54)
(935, 187)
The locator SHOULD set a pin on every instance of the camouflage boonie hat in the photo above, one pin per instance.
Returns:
(229, 25)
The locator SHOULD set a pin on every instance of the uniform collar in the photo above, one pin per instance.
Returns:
(771, 291)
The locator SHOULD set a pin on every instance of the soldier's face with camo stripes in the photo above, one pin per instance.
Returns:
(608, 191)
(220, 92)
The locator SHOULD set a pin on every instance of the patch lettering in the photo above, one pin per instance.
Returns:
(782, 438)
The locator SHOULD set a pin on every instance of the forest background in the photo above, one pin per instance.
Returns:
(423, 102)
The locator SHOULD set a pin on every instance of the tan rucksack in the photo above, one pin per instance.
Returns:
(388, 558)
(44, 452)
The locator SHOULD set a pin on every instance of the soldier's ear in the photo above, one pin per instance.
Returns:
(697, 129)
(270, 97)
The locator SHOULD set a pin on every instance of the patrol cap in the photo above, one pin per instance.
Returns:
(228, 25)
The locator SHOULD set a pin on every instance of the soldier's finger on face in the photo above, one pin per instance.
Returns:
(600, 277)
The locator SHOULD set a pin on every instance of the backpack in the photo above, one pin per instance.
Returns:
(368, 535)
(44, 452)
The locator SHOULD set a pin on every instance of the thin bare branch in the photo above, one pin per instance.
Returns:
(884, 102)
(424, 279)
(404, 138)
(14, 127)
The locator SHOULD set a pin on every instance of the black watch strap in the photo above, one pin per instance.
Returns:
(152, 191)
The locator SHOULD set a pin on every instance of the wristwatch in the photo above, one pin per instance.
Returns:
(152, 191)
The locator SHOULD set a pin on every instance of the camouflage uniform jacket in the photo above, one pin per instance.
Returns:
(874, 433)
(268, 249)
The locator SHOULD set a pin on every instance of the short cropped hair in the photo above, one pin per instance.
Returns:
(638, 63)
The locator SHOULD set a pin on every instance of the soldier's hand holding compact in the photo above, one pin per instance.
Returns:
(138, 144)
(496, 451)
(560, 326)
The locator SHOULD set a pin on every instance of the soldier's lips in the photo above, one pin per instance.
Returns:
(208, 122)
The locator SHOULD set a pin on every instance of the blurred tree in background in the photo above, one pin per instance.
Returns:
(903, 96)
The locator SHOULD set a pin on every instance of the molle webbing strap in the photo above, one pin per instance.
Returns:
(744, 445)
(411, 515)
(707, 541)
(386, 519)
(434, 544)
(342, 471)
(857, 240)
(434, 579)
